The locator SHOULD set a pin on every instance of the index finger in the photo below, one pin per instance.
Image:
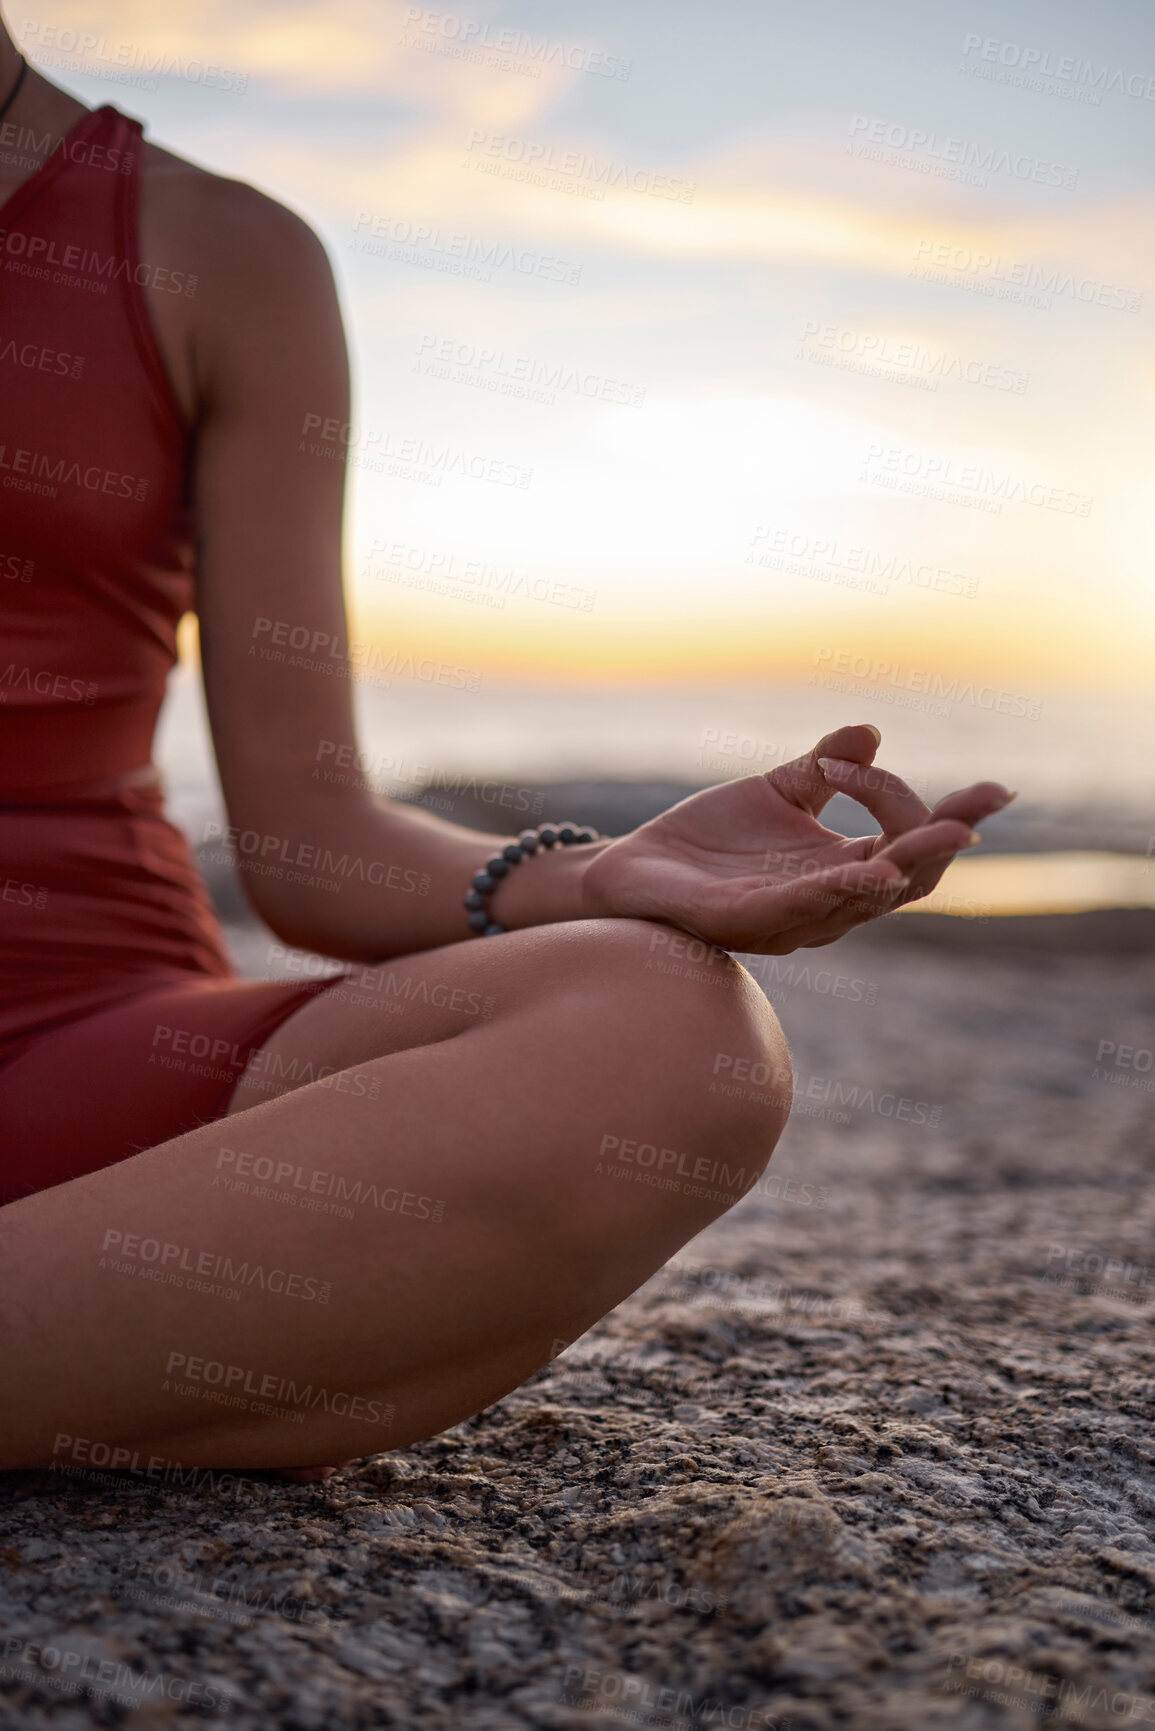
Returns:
(802, 781)
(894, 806)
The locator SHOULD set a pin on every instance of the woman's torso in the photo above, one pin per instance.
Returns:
(167, 183)
(98, 896)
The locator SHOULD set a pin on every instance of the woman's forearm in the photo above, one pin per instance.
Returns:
(363, 879)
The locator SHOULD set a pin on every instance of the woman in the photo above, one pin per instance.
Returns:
(373, 1211)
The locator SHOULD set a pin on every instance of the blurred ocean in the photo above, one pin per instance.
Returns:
(1081, 834)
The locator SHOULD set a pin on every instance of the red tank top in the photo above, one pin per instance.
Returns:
(99, 895)
(95, 530)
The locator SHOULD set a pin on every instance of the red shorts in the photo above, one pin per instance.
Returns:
(110, 1084)
(122, 1019)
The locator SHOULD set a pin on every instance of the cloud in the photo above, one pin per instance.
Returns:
(348, 45)
(345, 48)
(434, 175)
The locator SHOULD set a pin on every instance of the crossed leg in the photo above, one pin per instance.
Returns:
(460, 1189)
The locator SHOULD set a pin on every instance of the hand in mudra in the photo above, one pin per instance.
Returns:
(748, 866)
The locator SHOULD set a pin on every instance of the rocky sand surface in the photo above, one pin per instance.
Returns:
(873, 1451)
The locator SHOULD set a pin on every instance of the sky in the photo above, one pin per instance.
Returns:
(709, 346)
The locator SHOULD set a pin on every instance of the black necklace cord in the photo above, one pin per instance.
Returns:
(15, 90)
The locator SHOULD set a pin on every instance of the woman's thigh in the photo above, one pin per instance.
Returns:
(435, 995)
(386, 1248)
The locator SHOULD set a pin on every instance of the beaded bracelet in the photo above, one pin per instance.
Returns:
(528, 842)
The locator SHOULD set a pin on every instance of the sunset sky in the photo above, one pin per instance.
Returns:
(709, 344)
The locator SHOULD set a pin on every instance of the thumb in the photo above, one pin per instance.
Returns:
(803, 782)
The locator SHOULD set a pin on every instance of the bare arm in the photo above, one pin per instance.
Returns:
(272, 369)
(333, 868)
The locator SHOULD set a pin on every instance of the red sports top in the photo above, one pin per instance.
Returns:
(95, 532)
(99, 895)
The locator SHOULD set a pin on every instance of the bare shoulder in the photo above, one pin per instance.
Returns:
(265, 300)
(240, 236)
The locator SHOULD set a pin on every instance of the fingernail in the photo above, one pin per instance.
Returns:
(870, 728)
(837, 768)
(976, 838)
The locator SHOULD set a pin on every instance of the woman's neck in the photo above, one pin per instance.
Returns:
(36, 121)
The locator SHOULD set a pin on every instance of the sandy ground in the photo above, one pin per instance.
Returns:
(874, 1451)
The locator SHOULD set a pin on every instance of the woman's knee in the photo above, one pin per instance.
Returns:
(705, 1061)
(696, 1004)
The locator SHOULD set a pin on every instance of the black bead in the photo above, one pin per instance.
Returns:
(478, 921)
(528, 841)
(473, 900)
(587, 835)
(567, 834)
(512, 853)
(484, 884)
(497, 866)
(493, 930)
(547, 835)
